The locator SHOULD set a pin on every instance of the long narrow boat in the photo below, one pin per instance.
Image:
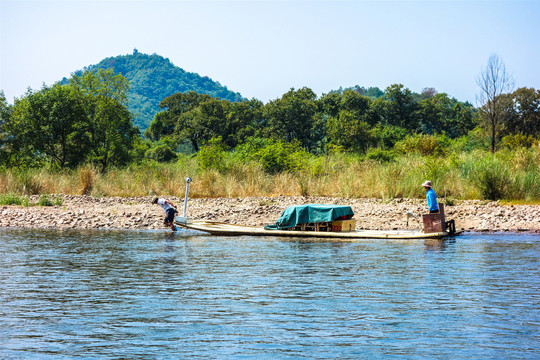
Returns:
(220, 228)
(313, 220)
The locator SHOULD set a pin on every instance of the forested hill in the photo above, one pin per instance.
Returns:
(153, 78)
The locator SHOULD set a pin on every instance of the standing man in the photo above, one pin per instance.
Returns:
(431, 198)
(170, 210)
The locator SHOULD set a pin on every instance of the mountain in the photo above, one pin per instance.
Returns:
(153, 78)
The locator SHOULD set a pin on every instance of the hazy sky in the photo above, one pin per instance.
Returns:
(263, 48)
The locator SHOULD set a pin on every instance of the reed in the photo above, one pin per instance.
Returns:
(509, 175)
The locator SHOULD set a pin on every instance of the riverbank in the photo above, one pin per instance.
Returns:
(85, 212)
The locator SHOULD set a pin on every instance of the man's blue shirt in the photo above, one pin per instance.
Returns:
(432, 200)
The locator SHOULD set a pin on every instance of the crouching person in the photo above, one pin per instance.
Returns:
(170, 210)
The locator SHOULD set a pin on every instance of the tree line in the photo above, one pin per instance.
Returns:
(86, 120)
(152, 78)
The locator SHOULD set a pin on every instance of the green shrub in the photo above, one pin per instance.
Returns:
(492, 178)
(10, 199)
(161, 153)
(381, 156)
(282, 156)
(275, 156)
(44, 201)
(388, 136)
(427, 145)
(476, 139)
(517, 141)
(213, 155)
(531, 185)
(59, 201)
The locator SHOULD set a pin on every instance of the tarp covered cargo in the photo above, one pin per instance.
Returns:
(311, 213)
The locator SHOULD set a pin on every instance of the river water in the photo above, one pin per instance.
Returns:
(163, 295)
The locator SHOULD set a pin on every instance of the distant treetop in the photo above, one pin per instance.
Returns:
(153, 78)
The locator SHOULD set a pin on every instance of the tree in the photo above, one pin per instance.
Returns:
(349, 131)
(493, 81)
(5, 114)
(355, 103)
(109, 125)
(329, 104)
(50, 122)
(294, 117)
(440, 114)
(524, 112)
(244, 119)
(397, 107)
(179, 119)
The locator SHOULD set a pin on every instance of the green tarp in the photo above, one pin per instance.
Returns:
(311, 213)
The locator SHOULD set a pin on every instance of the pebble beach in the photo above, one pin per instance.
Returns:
(85, 212)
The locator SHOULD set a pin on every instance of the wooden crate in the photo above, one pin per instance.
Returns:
(323, 226)
(434, 223)
(343, 225)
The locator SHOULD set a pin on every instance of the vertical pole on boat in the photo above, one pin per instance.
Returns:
(188, 180)
(183, 220)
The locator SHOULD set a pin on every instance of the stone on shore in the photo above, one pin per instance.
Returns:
(85, 212)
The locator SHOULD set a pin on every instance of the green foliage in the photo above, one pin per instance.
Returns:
(280, 157)
(510, 174)
(44, 201)
(492, 177)
(396, 107)
(370, 92)
(518, 140)
(381, 156)
(68, 125)
(450, 201)
(28, 183)
(273, 156)
(109, 127)
(161, 153)
(213, 155)
(439, 114)
(10, 199)
(349, 131)
(427, 145)
(523, 112)
(387, 136)
(153, 78)
(5, 115)
(197, 118)
(475, 139)
(294, 117)
(50, 122)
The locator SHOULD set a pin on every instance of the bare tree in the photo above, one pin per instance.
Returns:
(493, 81)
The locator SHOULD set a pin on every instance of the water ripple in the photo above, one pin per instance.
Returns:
(129, 294)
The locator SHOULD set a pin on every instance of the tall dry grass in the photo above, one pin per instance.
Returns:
(511, 175)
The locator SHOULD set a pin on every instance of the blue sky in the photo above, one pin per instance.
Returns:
(263, 48)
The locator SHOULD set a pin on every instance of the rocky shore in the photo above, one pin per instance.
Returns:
(84, 212)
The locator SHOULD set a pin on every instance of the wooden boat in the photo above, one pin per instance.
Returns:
(320, 221)
(220, 228)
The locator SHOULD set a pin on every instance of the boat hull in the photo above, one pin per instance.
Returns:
(219, 228)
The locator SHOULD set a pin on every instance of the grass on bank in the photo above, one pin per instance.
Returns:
(509, 175)
(43, 200)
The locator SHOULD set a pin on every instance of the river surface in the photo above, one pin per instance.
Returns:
(164, 295)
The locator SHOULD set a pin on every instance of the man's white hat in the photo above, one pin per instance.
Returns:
(427, 183)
